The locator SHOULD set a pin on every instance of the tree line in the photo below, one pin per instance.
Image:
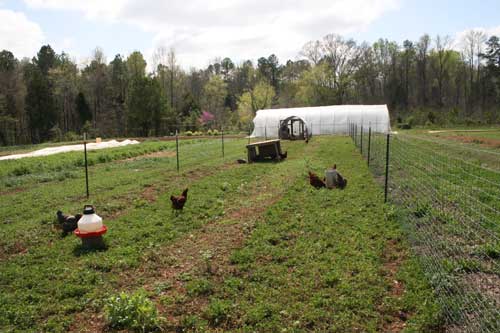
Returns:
(429, 81)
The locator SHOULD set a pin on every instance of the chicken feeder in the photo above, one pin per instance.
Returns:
(90, 229)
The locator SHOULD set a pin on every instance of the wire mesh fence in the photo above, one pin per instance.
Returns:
(450, 198)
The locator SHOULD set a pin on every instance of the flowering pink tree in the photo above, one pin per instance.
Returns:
(206, 118)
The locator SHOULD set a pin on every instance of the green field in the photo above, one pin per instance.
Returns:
(255, 249)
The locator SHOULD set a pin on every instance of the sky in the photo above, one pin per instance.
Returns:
(201, 31)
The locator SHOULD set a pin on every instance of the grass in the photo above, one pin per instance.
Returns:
(255, 249)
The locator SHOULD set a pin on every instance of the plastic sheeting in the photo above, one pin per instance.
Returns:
(68, 148)
(321, 120)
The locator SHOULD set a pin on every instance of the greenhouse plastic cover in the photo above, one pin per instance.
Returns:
(321, 120)
(68, 148)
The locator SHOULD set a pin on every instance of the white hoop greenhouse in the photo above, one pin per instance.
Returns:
(321, 120)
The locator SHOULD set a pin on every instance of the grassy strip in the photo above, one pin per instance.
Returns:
(314, 262)
(33, 170)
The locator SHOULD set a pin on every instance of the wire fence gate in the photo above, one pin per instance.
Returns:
(449, 195)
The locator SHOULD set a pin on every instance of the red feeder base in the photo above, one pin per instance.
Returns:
(92, 240)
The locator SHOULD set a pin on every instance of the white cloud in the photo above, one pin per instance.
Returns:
(201, 30)
(18, 34)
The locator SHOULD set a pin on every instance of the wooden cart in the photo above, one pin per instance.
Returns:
(259, 151)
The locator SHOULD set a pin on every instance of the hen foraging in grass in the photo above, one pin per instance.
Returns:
(315, 181)
(68, 223)
(341, 182)
(284, 155)
(179, 201)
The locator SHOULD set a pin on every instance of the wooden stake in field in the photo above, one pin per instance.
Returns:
(177, 148)
(86, 163)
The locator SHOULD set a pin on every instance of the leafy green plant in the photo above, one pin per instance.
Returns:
(199, 287)
(132, 311)
(20, 171)
(207, 256)
(218, 311)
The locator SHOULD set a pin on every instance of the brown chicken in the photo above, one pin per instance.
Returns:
(316, 181)
(178, 202)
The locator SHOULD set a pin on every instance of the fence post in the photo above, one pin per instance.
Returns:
(177, 148)
(222, 139)
(86, 164)
(356, 135)
(265, 132)
(387, 167)
(361, 140)
(369, 144)
(249, 134)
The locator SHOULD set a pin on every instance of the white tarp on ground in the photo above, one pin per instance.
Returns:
(324, 119)
(68, 148)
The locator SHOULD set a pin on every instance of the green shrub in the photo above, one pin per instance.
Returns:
(404, 126)
(55, 134)
(20, 171)
(194, 323)
(215, 132)
(199, 287)
(71, 136)
(135, 312)
(209, 132)
(188, 133)
(217, 311)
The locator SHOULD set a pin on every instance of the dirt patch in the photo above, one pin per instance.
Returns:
(150, 194)
(393, 256)
(485, 142)
(487, 284)
(13, 191)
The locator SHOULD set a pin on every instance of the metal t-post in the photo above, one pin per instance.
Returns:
(177, 148)
(369, 144)
(361, 140)
(86, 163)
(222, 139)
(387, 167)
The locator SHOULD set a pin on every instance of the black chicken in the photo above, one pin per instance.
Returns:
(341, 181)
(68, 223)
